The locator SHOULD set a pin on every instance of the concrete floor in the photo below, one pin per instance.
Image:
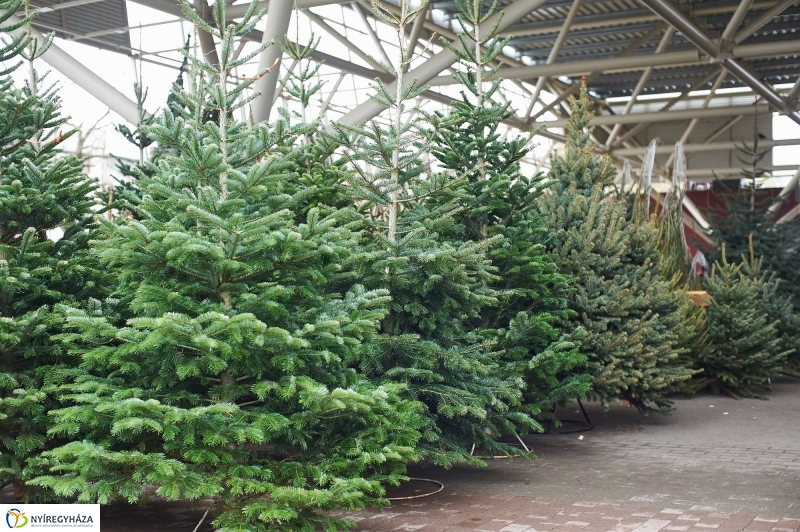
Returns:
(715, 464)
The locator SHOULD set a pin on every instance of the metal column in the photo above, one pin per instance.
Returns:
(280, 13)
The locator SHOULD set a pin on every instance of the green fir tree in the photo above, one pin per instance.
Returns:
(622, 301)
(749, 211)
(496, 200)
(128, 192)
(224, 371)
(781, 311)
(744, 346)
(779, 308)
(43, 194)
(675, 264)
(748, 225)
(438, 286)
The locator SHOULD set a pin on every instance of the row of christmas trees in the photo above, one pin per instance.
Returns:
(283, 316)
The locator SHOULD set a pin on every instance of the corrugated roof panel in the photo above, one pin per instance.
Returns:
(75, 22)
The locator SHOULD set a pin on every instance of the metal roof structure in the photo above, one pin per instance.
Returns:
(99, 23)
(704, 67)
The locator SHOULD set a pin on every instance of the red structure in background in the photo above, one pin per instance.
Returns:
(711, 203)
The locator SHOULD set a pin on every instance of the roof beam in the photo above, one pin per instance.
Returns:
(443, 59)
(765, 17)
(693, 87)
(794, 92)
(700, 148)
(576, 86)
(693, 124)
(788, 189)
(673, 16)
(789, 216)
(640, 86)
(85, 78)
(736, 21)
(554, 51)
(238, 10)
(683, 114)
(616, 20)
(703, 174)
(56, 7)
(637, 62)
(319, 21)
(380, 52)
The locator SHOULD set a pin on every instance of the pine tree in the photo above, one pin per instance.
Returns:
(127, 191)
(41, 191)
(624, 304)
(745, 213)
(778, 307)
(495, 199)
(748, 225)
(223, 371)
(438, 286)
(675, 264)
(744, 347)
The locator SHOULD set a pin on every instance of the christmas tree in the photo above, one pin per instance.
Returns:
(748, 225)
(778, 306)
(781, 311)
(46, 220)
(439, 286)
(675, 264)
(747, 211)
(621, 300)
(744, 347)
(223, 372)
(128, 192)
(496, 200)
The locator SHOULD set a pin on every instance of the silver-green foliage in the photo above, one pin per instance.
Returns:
(628, 310)
(438, 285)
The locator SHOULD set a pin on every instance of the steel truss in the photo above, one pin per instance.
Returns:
(634, 49)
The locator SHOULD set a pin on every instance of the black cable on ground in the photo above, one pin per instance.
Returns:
(441, 487)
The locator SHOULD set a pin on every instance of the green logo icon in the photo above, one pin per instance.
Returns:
(16, 518)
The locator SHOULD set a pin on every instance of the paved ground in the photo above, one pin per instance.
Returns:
(715, 465)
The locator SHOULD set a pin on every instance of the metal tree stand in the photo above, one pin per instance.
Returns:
(587, 425)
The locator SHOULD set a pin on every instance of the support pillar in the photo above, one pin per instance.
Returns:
(280, 13)
(85, 78)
